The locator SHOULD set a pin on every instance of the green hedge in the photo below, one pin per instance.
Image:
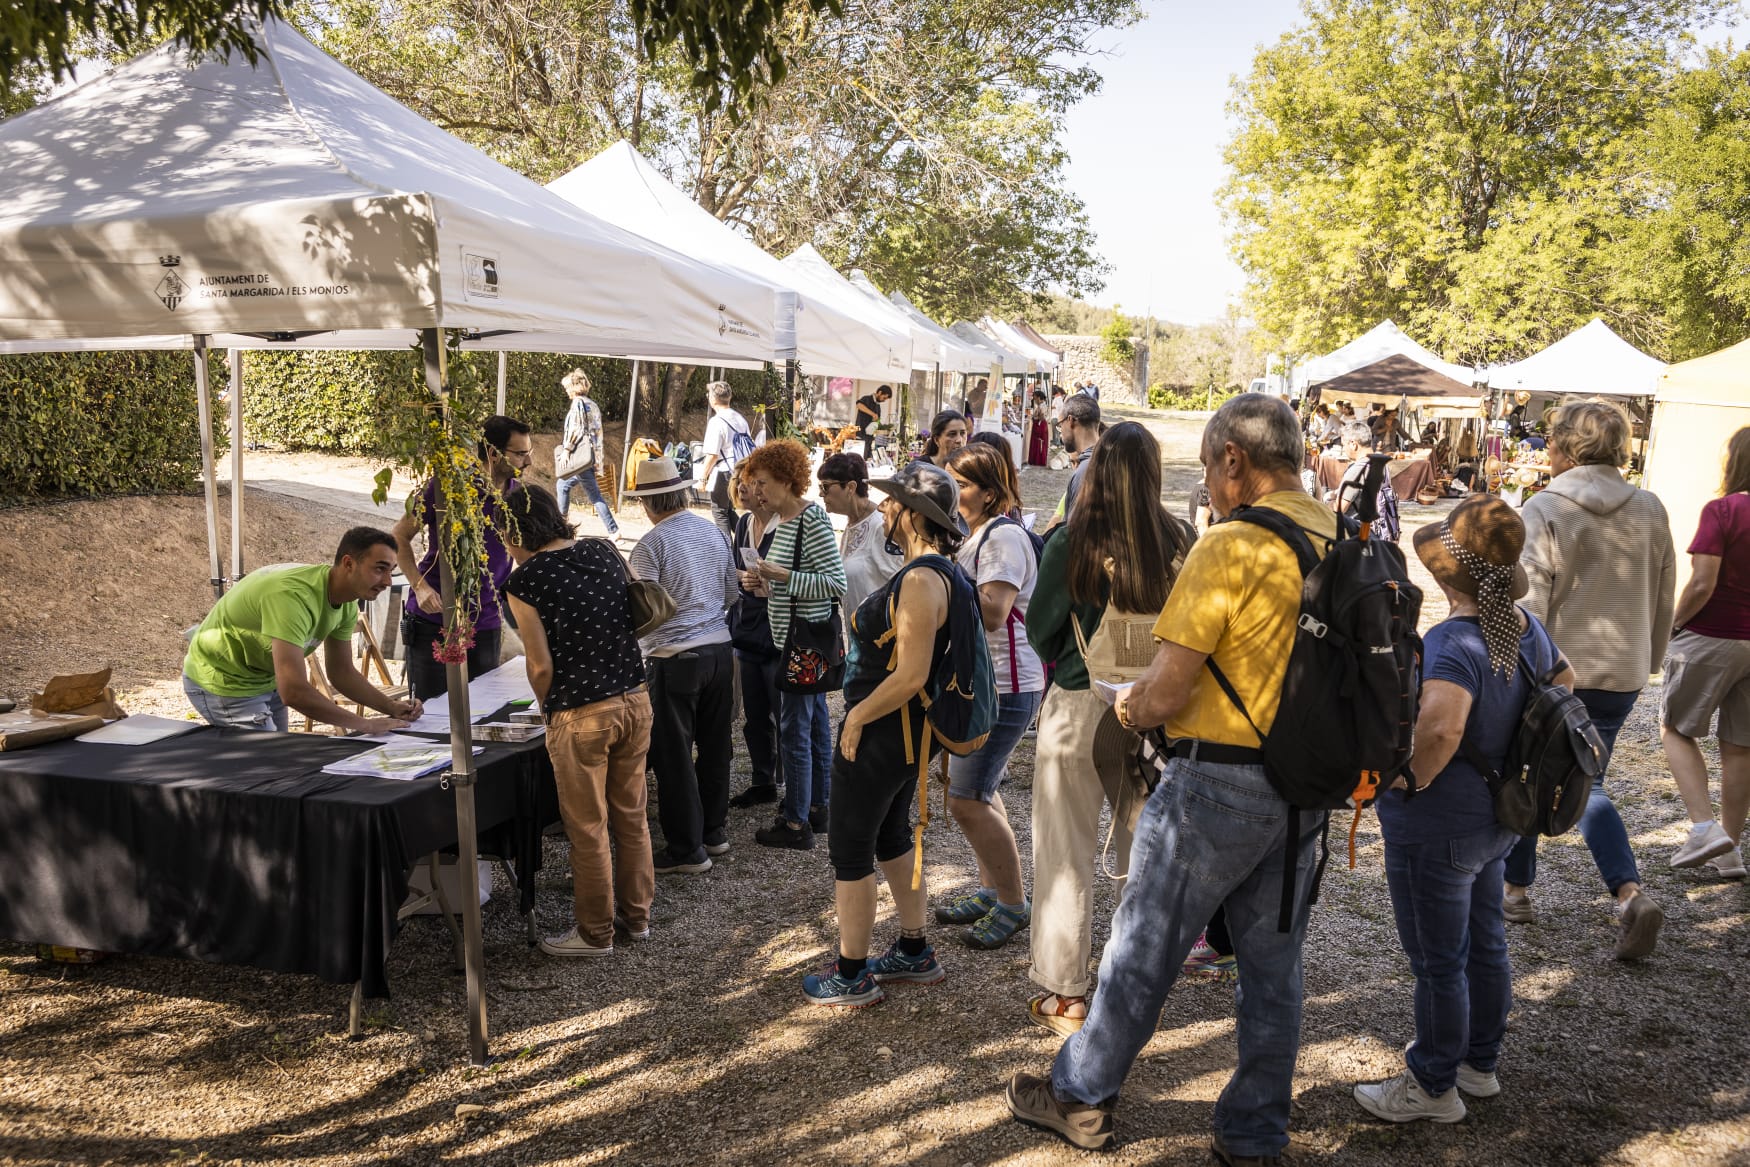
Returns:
(100, 424)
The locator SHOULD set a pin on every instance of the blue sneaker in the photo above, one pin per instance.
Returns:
(894, 965)
(968, 909)
(827, 987)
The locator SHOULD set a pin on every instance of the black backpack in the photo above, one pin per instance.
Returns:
(1344, 725)
(1551, 763)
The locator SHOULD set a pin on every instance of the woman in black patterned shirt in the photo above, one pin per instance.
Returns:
(572, 611)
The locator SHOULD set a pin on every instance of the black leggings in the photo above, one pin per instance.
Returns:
(870, 810)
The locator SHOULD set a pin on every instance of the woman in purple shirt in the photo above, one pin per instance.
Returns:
(1707, 671)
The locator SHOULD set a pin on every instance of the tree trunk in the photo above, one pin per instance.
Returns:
(650, 419)
(675, 382)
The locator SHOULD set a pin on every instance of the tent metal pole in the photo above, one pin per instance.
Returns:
(461, 774)
(503, 377)
(204, 408)
(626, 446)
(236, 355)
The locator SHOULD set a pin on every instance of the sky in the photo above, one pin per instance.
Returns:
(1145, 152)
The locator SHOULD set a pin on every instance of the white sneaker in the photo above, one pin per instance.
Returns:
(1402, 1099)
(1477, 1083)
(571, 944)
(1702, 846)
(1727, 866)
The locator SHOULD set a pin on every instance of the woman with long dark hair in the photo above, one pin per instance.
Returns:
(1119, 554)
(948, 432)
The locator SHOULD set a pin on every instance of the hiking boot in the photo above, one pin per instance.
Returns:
(572, 944)
(1204, 963)
(1477, 1083)
(827, 987)
(1518, 909)
(1638, 927)
(1032, 1101)
(1701, 845)
(894, 965)
(754, 796)
(1229, 1159)
(782, 834)
(818, 820)
(1402, 1099)
(1727, 866)
(967, 909)
(667, 866)
(997, 926)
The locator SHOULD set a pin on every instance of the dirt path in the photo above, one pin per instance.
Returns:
(697, 1047)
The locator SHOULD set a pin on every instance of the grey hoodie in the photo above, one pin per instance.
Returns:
(1603, 574)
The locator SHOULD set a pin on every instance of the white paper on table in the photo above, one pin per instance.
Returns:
(1029, 518)
(435, 719)
(138, 730)
(398, 760)
(1109, 693)
(504, 684)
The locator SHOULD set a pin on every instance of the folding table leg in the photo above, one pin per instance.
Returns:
(529, 926)
(355, 1029)
(448, 913)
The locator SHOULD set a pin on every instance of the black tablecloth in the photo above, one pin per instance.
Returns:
(232, 846)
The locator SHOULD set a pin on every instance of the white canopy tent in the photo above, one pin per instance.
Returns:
(1043, 360)
(958, 354)
(218, 200)
(816, 322)
(807, 263)
(1592, 360)
(1697, 408)
(1383, 340)
(1006, 359)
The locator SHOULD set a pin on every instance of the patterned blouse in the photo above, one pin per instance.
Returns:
(580, 594)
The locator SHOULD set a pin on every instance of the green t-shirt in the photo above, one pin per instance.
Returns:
(232, 650)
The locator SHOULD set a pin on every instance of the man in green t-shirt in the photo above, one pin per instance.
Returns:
(245, 665)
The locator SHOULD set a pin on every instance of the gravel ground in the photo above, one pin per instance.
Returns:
(697, 1045)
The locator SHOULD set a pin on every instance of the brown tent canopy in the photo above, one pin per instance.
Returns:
(1398, 379)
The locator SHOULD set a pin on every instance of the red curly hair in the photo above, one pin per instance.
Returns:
(783, 461)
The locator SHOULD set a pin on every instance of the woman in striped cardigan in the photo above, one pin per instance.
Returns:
(807, 577)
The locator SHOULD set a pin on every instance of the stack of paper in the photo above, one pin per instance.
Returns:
(400, 760)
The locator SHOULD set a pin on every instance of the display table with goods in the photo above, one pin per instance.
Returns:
(244, 847)
(1523, 475)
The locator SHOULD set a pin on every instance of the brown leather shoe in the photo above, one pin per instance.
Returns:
(1032, 1101)
(1638, 927)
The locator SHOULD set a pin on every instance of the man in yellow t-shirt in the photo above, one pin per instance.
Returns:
(245, 664)
(1215, 833)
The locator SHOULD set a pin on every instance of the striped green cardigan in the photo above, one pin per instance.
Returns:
(808, 592)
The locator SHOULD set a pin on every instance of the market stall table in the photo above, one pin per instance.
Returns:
(233, 846)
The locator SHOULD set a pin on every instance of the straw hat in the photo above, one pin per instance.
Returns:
(658, 476)
(1484, 527)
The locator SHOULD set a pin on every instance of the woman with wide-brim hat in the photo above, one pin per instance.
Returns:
(1444, 849)
(873, 780)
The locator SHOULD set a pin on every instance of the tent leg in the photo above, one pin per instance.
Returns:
(503, 378)
(461, 775)
(203, 392)
(626, 446)
(236, 464)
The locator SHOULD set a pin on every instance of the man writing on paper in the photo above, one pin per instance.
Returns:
(245, 665)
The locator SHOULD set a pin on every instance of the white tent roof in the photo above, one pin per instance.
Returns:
(808, 265)
(1044, 360)
(958, 355)
(999, 354)
(1591, 360)
(1383, 340)
(213, 196)
(817, 323)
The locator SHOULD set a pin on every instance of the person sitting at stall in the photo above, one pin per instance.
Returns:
(505, 448)
(245, 664)
(869, 414)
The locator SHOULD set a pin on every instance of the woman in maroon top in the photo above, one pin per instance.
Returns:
(1707, 670)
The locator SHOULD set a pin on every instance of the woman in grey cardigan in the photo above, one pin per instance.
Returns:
(1602, 567)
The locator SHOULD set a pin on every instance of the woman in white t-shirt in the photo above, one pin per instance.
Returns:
(999, 557)
(844, 490)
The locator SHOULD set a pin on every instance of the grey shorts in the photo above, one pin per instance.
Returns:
(1704, 675)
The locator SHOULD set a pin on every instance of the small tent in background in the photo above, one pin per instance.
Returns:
(1399, 380)
(1377, 343)
(1699, 405)
(1590, 361)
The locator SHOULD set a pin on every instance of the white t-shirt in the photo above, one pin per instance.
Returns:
(868, 566)
(718, 441)
(1002, 553)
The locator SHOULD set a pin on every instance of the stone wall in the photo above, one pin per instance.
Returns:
(1084, 359)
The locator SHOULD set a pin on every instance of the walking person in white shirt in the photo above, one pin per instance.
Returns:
(727, 441)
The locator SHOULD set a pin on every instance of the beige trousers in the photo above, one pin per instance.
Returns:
(598, 753)
(1082, 752)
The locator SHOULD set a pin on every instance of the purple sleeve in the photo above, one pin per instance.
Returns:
(1711, 533)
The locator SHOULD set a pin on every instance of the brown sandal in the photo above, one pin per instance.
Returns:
(1057, 1020)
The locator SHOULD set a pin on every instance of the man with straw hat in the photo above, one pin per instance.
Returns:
(1444, 849)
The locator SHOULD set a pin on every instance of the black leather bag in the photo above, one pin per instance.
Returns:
(814, 651)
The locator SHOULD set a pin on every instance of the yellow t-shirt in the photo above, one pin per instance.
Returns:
(1237, 599)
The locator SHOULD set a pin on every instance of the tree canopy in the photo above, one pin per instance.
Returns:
(1465, 167)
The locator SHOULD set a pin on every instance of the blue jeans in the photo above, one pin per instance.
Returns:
(978, 775)
(1447, 900)
(1600, 825)
(593, 491)
(265, 711)
(1210, 836)
(805, 743)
